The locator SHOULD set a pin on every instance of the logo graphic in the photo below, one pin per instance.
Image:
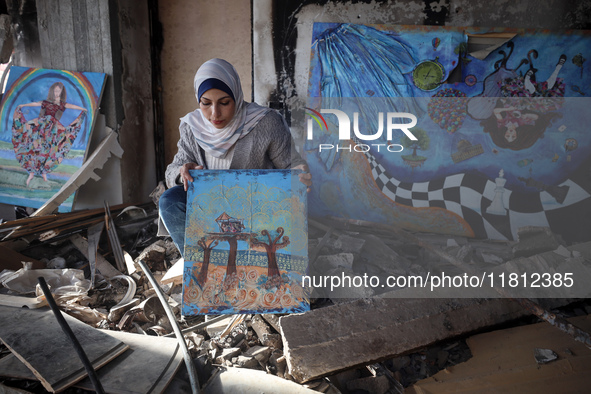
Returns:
(316, 119)
(394, 121)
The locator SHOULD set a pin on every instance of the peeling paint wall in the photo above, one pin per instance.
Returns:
(194, 32)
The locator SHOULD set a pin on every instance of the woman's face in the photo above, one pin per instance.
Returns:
(511, 132)
(57, 91)
(218, 107)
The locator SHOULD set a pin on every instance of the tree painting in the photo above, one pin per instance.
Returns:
(270, 247)
(232, 240)
(245, 243)
(421, 143)
(207, 245)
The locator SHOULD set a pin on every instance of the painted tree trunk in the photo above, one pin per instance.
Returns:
(231, 268)
(273, 268)
(202, 278)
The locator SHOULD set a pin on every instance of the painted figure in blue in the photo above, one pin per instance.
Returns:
(225, 132)
(360, 61)
(41, 144)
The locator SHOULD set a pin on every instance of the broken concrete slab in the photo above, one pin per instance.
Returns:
(338, 337)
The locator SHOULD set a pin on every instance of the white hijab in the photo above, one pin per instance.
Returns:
(217, 142)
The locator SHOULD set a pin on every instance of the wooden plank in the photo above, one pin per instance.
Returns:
(81, 35)
(37, 340)
(43, 19)
(35, 225)
(55, 40)
(69, 40)
(105, 21)
(147, 367)
(95, 36)
(503, 361)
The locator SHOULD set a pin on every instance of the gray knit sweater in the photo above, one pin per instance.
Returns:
(269, 145)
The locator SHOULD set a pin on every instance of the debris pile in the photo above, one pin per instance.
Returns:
(355, 338)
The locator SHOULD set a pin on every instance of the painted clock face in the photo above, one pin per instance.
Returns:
(428, 75)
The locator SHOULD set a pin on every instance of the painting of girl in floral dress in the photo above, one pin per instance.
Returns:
(47, 119)
(40, 144)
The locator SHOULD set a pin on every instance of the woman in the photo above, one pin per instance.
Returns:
(42, 143)
(225, 132)
(514, 126)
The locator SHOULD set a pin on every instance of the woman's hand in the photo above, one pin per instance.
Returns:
(185, 175)
(305, 177)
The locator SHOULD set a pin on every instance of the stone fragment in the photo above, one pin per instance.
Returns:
(260, 353)
(245, 362)
(544, 356)
(491, 258)
(273, 320)
(260, 326)
(153, 256)
(563, 251)
(271, 340)
(465, 254)
(267, 337)
(228, 354)
(452, 242)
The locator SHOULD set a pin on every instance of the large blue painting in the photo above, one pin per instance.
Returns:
(246, 243)
(500, 141)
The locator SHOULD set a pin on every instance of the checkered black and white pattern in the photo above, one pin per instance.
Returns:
(468, 195)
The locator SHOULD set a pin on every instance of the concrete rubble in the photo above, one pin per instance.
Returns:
(354, 338)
